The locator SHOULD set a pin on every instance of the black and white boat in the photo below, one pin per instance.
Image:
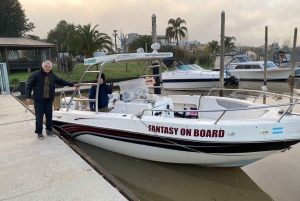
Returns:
(190, 77)
(243, 68)
(188, 129)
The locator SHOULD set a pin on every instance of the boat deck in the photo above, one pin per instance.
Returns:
(32, 169)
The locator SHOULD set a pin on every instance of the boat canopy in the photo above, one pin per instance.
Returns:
(131, 57)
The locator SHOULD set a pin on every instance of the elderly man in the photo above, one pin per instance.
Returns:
(42, 83)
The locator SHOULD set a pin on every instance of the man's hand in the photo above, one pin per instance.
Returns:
(76, 85)
(28, 101)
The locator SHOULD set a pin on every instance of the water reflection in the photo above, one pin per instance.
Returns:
(165, 182)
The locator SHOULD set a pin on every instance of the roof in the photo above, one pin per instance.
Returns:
(19, 43)
(130, 57)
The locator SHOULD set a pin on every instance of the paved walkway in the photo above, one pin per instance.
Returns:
(31, 169)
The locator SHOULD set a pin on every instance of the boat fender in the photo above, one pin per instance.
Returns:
(193, 115)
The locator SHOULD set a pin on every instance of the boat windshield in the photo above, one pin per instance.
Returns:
(271, 65)
(187, 67)
(241, 59)
(247, 58)
(195, 67)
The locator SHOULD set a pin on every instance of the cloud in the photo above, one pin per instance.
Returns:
(246, 20)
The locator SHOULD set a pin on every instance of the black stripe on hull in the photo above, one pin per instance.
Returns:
(76, 130)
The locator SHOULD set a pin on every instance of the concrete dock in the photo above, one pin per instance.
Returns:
(32, 169)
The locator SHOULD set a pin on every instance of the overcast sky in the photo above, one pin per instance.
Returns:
(244, 19)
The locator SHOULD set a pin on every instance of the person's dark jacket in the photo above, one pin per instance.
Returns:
(103, 95)
(36, 81)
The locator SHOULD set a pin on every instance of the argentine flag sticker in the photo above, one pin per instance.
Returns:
(278, 130)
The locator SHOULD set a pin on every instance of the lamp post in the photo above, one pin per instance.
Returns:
(58, 59)
(115, 35)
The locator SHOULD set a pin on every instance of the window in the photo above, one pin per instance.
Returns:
(256, 67)
(247, 67)
(184, 67)
(271, 65)
(195, 67)
(241, 59)
(247, 58)
(239, 67)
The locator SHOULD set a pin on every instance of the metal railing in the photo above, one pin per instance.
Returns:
(4, 82)
(228, 110)
(63, 96)
(294, 101)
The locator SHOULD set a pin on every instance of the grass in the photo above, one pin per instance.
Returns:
(111, 71)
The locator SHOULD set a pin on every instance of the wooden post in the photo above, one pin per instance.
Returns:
(265, 57)
(7, 62)
(293, 58)
(222, 42)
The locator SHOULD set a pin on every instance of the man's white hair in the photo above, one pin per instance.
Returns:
(46, 62)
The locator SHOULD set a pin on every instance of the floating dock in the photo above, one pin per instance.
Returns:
(49, 169)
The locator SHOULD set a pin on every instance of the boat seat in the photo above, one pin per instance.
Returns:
(212, 103)
(231, 104)
(82, 105)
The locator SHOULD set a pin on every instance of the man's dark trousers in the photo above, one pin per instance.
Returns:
(41, 108)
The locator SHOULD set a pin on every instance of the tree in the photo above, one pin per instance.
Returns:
(175, 31)
(89, 40)
(13, 21)
(213, 47)
(140, 42)
(286, 45)
(60, 34)
(229, 44)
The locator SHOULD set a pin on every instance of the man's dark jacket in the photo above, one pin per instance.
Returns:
(36, 82)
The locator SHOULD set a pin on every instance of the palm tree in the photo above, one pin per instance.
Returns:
(229, 45)
(88, 40)
(213, 47)
(175, 30)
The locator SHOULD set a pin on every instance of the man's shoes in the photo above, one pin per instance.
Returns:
(50, 133)
(40, 136)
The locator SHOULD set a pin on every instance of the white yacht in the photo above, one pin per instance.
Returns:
(243, 68)
(191, 77)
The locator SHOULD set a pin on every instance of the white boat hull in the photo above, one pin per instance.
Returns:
(239, 138)
(191, 80)
(171, 156)
(192, 85)
(276, 74)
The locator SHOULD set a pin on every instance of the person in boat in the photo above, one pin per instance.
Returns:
(103, 99)
(42, 83)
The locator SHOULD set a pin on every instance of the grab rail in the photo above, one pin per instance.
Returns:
(64, 94)
(248, 90)
(228, 110)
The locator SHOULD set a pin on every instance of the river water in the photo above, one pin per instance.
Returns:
(176, 182)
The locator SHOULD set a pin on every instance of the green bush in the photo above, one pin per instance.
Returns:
(14, 82)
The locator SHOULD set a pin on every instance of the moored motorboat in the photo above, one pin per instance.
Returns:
(190, 77)
(202, 130)
(242, 67)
